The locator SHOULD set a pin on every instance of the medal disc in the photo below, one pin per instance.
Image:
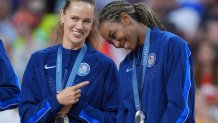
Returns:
(139, 117)
(62, 119)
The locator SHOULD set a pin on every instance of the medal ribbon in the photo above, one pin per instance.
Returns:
(136, 89)
(59, 83)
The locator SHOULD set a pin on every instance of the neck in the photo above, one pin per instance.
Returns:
(72, 46)
(142, 33)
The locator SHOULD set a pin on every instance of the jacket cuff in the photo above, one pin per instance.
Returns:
(55, 105)
(76, 109)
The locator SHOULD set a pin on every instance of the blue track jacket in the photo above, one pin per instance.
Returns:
(9, 84)
(168, 94)
(99, 99)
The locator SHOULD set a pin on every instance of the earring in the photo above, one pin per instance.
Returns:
(62, 24)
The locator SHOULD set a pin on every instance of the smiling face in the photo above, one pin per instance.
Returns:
(120, 34)
(77, 22)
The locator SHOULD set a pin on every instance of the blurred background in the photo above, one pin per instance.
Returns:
(29, 25)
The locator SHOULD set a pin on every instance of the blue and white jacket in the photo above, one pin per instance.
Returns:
(99, 99)
(168, 94)
(9, 84)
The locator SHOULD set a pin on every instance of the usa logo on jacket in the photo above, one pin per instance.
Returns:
(84, 69)
(151, 59)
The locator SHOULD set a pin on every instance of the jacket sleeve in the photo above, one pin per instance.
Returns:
(108, 111)
(9, 84)
(123, 113)
(179, 83)
(33, 108)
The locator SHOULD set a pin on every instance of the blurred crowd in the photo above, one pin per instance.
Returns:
(29, 25)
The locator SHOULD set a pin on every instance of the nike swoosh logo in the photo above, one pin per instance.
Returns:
(49, 67)
(128, 69)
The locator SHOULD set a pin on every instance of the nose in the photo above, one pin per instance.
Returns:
(79, 25)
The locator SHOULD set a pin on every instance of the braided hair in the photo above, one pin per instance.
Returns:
(139, 12)
(93, 35)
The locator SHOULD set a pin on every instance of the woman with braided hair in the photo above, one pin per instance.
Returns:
(156, 77)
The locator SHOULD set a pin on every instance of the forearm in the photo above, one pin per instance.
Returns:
(44, 111)
(86, 112)
(9, 99)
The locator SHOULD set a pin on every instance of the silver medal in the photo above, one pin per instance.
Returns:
(61, 118)
(139, 117)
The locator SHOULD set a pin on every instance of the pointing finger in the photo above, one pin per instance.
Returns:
(80, 85)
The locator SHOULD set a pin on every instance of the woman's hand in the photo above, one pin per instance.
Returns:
(71, 95)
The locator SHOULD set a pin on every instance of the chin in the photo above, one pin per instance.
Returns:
(130, 48)
(77, 40)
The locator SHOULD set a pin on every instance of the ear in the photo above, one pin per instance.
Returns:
(125, 18)
(62, 16)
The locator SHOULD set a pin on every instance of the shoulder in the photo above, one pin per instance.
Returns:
(3, 53)
(174, 45)
(1, 44)
(166, 36)
(39, 57)
(46, 51)
(167, 39)
(102, 58)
